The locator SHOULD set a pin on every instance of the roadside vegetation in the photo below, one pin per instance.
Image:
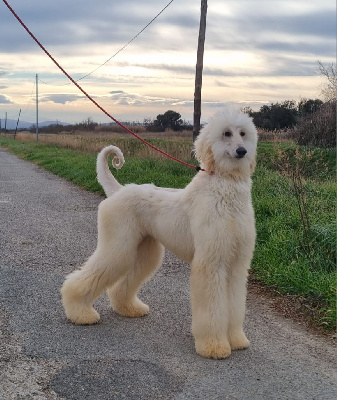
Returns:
(293, 193)
(294, 190)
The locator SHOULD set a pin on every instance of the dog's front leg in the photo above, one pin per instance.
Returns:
(237, 292)
(210, 309)
(237, 305)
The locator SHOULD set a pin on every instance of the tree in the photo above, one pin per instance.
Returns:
(317, 123)
(276, 116)
(317, 128)
(169, 120)
(89, 124)
(308, 107)
(329, 87)
(248, 110)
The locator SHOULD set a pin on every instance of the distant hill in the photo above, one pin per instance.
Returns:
(11, 124)
(47, 123)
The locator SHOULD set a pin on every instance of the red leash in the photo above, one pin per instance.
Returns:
(91, 99)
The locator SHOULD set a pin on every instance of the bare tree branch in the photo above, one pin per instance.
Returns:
(329, 87)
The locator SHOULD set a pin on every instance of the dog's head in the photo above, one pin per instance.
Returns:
(227, 144)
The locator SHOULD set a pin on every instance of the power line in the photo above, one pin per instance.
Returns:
(90, 97)
(117, 52)
(30, 99)
(26, 104)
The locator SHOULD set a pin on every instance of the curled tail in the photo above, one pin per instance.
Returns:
(104, 175)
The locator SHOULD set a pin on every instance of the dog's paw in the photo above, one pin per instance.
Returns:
(133, 309)
(238, 341)
(83, 317)
(213, 349)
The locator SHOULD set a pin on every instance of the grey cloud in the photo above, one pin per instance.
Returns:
(67, 24)
(182, 19)
(183, 103)
(73, 28)
(265, 85)
(73, 23)
(135, 99)
(187, 70)
(116, 94)
(319, 49)
(321, 24)
(221, 84)
(311, 32)
(268, 17)
(124, 101)
(60, 98)
(181, 69)
(287, 66)
(278, 65)
(217, 104)
(5, 100)
(224, 71)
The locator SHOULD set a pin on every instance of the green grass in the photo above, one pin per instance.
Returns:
(80, 167)
(281, 259)
(316, 163)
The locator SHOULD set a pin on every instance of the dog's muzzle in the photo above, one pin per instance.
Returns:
(240, 152)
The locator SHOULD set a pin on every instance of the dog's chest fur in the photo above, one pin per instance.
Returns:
(232, 198)
(226, 197)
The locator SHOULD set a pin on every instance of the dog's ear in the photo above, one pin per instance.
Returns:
(199, 149)
(209, 162)
(204, 154)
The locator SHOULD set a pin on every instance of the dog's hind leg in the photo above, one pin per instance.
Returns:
(123, 294)
(115, 255)
(84, 285)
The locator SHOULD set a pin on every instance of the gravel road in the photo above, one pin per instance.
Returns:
(47, 229)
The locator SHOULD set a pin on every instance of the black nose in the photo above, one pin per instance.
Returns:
(241, 151)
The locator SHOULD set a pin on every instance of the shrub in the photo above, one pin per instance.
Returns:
(318, 128)
(275, 116)
(170, 120)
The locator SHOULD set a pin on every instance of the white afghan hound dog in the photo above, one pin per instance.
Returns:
(209, 224)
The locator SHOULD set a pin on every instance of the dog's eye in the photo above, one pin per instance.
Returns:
(228, 134)
(242, 133)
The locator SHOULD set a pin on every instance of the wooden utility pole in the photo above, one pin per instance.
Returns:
(198, 70)
(37, 109)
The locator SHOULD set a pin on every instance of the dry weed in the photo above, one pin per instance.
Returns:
(294, 167)
(275, 136)
(178, 146)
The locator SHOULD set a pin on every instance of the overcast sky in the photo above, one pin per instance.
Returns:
(256, 52)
